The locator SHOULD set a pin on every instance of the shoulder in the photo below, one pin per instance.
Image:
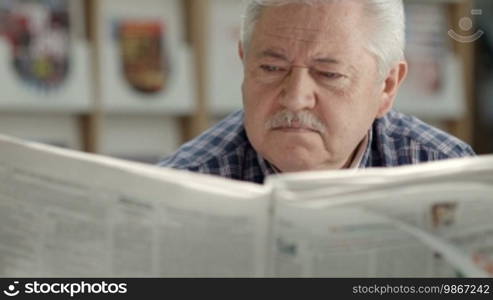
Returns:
(207, 152)
(409, 139)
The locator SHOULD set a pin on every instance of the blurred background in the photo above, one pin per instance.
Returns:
(136, 79)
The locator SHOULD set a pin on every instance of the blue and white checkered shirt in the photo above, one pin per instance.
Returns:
(393, 140)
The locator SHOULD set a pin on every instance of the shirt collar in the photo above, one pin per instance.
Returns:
(266, 167)
(360, 153)
(365, 157)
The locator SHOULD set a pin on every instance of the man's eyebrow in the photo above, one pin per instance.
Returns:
(328, 60)
(273, 54)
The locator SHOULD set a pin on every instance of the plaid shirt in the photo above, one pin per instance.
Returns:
(394, 140)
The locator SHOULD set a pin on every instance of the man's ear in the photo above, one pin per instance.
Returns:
(240, 51)
(390, 87)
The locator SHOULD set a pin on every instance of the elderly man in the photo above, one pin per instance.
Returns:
(320, 79)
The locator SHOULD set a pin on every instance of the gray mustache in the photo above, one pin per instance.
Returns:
(305, 119)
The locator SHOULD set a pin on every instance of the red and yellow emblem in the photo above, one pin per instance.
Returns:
(143, 55)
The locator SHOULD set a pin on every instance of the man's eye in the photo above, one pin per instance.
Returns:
(329, 75)
(271, 69)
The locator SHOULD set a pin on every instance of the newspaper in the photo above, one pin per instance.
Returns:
(68, 214)
(427, 220)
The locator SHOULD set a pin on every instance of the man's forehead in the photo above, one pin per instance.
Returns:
(301, 34)
(281, 54)
(284, 42)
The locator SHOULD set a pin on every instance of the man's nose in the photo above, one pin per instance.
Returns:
(298, 90)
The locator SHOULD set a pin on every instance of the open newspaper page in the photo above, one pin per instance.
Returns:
(68, 214)
(401, 229)
(468, 169)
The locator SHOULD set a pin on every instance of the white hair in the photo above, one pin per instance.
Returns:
(387, 40)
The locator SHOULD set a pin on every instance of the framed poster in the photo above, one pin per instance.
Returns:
(442, 100)
(43, 63)
(146, 65)
(224, 65)
(434, 86)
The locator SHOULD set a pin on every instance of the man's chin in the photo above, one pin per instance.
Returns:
(296, 162)
(301, 159)
(296, 140)
(294, 152)
(305, 167)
